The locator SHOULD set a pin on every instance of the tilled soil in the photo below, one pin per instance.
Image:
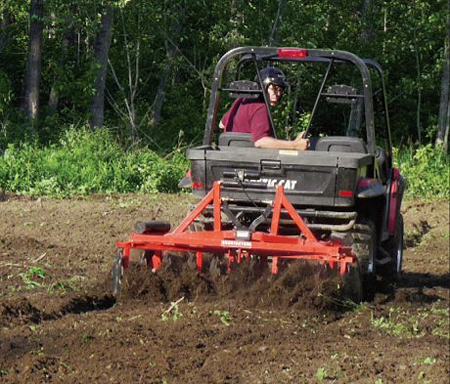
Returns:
(59, 324)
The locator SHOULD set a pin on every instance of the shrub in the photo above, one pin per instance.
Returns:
(425, 169)
(86, 161)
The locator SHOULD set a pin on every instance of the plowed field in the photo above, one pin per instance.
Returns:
(59, 324)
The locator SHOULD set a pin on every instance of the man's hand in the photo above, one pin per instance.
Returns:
(301, 142)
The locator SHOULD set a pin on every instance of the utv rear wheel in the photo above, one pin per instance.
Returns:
(352, 286)
(363, 243)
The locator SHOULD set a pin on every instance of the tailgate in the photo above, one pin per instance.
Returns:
(309, 178)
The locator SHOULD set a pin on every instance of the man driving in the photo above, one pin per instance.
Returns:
(252, 116)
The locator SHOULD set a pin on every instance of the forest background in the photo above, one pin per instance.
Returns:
(106, 95)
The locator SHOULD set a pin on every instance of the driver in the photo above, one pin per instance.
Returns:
(251, 116)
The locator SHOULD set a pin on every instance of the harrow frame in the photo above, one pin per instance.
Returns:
(238, 244)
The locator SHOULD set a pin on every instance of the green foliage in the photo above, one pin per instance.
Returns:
(63, 286)
(224, 317)
(5, 92)
(429, 361)
(321, 373)
(31, 276)
(174, 310)
(85, 161)
(425, 169)
(415, 324)
(407, 39)
(394, 328)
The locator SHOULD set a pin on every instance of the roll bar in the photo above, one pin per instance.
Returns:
(292, 54)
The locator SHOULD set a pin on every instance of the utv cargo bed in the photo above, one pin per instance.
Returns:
(309, 177)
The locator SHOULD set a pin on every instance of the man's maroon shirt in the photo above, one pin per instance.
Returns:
(249, 116)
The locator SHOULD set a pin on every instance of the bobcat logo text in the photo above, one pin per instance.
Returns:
(287, 184)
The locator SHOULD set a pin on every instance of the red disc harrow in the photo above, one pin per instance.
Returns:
(237, 245)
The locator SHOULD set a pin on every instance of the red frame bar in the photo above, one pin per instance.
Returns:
(263, 244)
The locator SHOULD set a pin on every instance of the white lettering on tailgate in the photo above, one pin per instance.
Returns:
(287, 184)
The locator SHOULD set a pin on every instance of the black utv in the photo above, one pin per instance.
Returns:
(344, 186)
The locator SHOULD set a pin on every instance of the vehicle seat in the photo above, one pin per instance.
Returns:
(236, 139)
(341, 144)
(244, 89)
(345, 94)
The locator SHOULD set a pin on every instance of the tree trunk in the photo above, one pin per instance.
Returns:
(161, 92)
(33, 72)
(236, 20)
(419, 89)
(101, 54)
(274, 39)
(5, 32)
(130, 91)
(171, 53)
(444, 105)
(53, 99)
(367, 21)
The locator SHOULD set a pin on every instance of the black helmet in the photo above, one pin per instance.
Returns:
(272, 75)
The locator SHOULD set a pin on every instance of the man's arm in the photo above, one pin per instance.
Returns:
(268, 142)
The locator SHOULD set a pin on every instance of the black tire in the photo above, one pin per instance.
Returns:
(353, 284)
(362, 239)
(117, 275)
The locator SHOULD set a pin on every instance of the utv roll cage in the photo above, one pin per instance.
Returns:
(269, 54)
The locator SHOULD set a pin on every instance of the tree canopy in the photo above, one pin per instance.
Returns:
(158, 66)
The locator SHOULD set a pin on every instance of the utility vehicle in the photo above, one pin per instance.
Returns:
(337, 203)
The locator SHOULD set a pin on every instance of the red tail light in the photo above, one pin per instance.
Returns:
(292, 52)
(345, 193)
(197, 185)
